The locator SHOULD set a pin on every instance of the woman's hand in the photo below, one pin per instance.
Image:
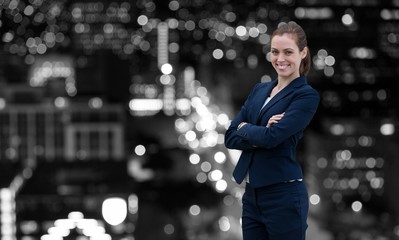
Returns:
(274, 119)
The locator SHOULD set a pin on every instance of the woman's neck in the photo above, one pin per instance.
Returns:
(281, 84)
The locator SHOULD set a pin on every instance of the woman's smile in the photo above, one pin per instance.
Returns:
(281, 66)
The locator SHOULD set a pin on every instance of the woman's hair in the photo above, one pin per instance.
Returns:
(300, 36)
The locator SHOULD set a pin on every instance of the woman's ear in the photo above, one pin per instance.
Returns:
(304, 52)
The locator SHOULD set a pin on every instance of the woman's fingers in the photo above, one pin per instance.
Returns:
(278, 116)
(274, 119)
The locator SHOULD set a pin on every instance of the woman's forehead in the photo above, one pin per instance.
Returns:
(285, 39)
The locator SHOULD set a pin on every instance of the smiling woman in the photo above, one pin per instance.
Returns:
(267, 130)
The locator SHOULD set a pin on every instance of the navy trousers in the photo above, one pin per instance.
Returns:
(276, 212)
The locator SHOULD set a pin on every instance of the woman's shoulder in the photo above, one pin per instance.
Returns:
(303, 85)
(308, 87)
(307, 90)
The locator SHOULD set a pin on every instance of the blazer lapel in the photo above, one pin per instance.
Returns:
(259, 101)
(287, 90)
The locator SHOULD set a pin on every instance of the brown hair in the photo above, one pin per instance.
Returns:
(297, 31)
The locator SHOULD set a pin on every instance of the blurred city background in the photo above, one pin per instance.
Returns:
(113, 113)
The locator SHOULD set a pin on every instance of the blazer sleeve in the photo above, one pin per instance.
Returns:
(232, 139)
(296, 118)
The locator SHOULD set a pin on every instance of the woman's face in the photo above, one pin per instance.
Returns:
(286, 57)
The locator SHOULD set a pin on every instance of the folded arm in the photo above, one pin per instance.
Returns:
(296, 117)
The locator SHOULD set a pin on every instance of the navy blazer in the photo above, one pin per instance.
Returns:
(269, 154)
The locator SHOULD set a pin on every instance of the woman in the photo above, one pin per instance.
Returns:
(267, 130)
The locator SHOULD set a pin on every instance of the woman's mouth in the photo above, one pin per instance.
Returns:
(282, 66)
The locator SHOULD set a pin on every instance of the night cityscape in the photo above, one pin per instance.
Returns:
(113, 114)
